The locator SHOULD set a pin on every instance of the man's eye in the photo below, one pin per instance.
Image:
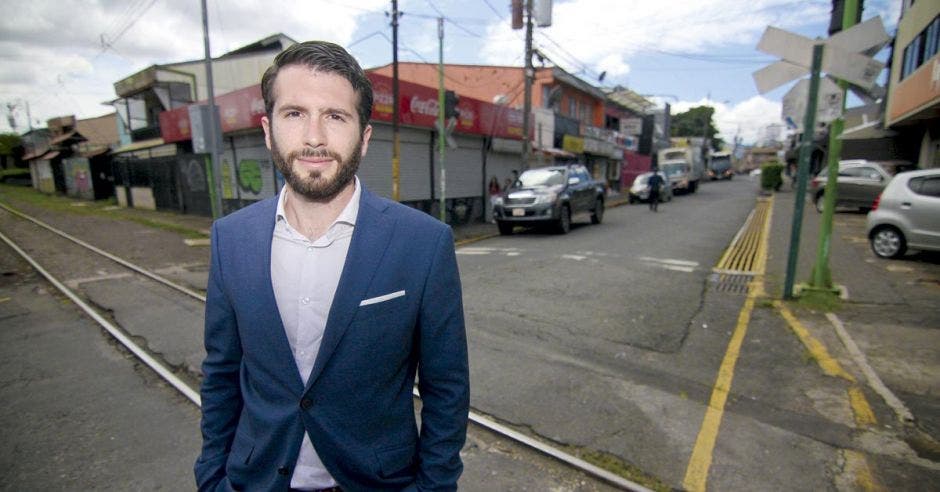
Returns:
(292, 114)
(336, 117)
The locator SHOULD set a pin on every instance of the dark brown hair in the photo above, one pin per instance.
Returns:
(325, 57)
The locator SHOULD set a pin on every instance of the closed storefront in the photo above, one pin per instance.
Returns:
(414, 173)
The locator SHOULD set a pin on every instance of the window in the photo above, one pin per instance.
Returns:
(932, 38)
(572, 107)
(929, 186)
(924, 46)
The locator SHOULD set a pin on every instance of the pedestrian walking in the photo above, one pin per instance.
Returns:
(323, 302)
(655, 182)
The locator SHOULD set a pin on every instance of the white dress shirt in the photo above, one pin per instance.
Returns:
(304, 275)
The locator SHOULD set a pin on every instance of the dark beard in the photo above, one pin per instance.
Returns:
(314, 186)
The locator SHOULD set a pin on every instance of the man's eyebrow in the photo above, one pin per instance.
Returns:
(340, 111)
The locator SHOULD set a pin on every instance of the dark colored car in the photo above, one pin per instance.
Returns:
(553, 196)
(858, 184)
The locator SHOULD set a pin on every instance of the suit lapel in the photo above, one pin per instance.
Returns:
(369, 240)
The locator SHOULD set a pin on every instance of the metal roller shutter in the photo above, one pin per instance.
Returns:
(414, 168)
(464, 168)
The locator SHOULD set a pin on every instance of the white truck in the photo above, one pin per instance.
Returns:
(683, 165)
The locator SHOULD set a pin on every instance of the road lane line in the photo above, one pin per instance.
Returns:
(857, 465)
(829, 365)
(864, 416)
(696, 474)
(874, 381)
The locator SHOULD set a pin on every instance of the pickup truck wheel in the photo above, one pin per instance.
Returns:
(564, 221)
(597, 215)
(505, 229)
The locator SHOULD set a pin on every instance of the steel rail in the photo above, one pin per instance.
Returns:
(193, 395)
(141, 270)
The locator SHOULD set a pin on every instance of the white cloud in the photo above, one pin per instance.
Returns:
(748, 119)
(71, 70)
(589, 36)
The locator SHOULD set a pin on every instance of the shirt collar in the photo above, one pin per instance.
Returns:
(348, 216)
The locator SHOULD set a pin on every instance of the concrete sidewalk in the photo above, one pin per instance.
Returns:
(885, 330)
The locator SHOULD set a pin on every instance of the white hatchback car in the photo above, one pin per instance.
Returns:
(906, 214)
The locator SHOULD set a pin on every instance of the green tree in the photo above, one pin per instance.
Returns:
(8, 142)
(694, 122)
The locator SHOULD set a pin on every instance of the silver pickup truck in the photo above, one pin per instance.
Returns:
(553, 196)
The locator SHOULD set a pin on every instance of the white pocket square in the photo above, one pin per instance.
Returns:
(386, 297)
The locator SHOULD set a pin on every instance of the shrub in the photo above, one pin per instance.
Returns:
(771, 176)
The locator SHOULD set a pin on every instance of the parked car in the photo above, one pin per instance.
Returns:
(640, 189)
(858, 184)
(552, 195)
(906, 215)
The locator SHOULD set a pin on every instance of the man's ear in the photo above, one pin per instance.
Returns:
(366, 135)
(266, 126)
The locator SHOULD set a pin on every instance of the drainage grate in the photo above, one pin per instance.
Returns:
(731, 283)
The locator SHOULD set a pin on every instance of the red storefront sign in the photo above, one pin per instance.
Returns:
(243, 109)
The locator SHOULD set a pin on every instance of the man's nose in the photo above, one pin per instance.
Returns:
(314, 134)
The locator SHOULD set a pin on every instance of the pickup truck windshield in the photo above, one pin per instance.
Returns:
(541, 177)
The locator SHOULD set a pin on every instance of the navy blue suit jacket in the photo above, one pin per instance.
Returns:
(357, 406)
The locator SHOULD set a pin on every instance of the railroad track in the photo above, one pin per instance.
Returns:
(179, 370)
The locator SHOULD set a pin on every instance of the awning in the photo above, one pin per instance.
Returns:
(93, 152)
(48, 156)
(65, 136)
(555, 152)
(867, 131)
(142, 145)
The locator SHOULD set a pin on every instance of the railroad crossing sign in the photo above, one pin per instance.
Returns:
(828, 102)
(845, 55)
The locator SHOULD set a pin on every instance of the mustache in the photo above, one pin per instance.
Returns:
(314, 153)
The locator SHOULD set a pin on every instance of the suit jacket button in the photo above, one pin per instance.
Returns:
(283, 470)
(306, 403)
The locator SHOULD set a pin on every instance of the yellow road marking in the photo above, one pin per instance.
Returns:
(864, 416)
(696, 474)
(829, 365)
(856, 464)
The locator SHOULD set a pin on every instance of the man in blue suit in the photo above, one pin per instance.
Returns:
(323, 303)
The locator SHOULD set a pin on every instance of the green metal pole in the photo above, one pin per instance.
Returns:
(806, 145)
(822, 275)
(440, 113)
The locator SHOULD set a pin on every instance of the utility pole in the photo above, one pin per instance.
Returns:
(529, 74)
(396, 138)
(822, 275)
(213, 124)
(441, 138)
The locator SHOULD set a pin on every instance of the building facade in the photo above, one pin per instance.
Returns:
(913, 99)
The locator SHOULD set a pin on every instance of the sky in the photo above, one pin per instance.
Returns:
(62, 57)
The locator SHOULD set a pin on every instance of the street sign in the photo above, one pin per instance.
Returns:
(867, 38)
(789, 46)
(841, 58)
(828, 102)
(777, 74)
(851, 67)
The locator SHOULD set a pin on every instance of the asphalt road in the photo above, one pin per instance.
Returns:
(606, 341)
(584, 338)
